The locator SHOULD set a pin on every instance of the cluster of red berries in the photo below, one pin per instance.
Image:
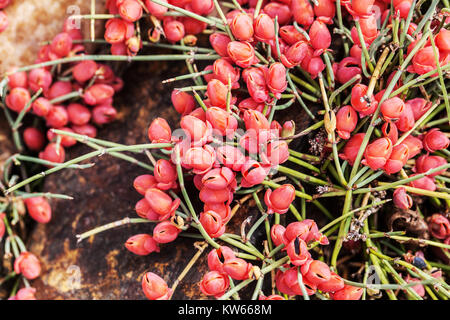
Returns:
(3, 17)
(383, 153)
(215, 177)
(95, 83)
(221, 168)
(398, 116)
(215, 167)
(316, 274)
(120, 32)
(295, 237)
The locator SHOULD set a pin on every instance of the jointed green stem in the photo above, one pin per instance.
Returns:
(85, 157)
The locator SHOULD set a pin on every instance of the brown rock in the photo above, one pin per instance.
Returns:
(34, 21)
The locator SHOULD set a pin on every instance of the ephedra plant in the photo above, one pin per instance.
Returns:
(371, 77)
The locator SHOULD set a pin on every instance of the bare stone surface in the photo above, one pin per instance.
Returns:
(34, 21)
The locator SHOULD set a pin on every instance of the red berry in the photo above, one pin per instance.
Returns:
(17, 79)
(298, 251)
(401, 199)
(174, 30)
(159, 131)
(392, 108)
(242, 27)
(230, 157)
(295, 54)
(219, 42)
(144, 182)
(165, 174)
(142, 244)
(237, 268)
(212, 196)
(24, 294)
(277, 234)
(85, 129)
(28, 265)
(41, 107)
(58, 89)
(426, 162)
(318, 272)
(224, 71)
(57, 117)
(4, 3)
(242, 53)
(348, 68)
(280, 10)
(348, 293)
(202, 7)
(425, 183)
(320, 35)
(33, 138)
(217, 257)
(280, 199)
(406, 120)
(212, 223)
(439, 226)
(53, 153)
(214, 283)
(198, 131)
(365, 106)
(217, 93)
(443, 40)
(161, 203)
(39, 78)
(130, 10)
(389, 130)
(351, 148)
(78, 114)
(414, 145)
(182, 101)
(255, 79)
(346, 120)
(377, 153)
(155, 9)
(39, 209)
(253, 173)
(118, 30)
(221, 121)
(66, 141)
(103, 114)
(264, 28)
(17, 99)
(165, 232)
(84, 70)
(61, 44)
(276, 79)
(419, 106)
(424, 60)
(325, 8)
(435, 140)
(333, 284)
(397, 159)
(155, 288)
(303, 12)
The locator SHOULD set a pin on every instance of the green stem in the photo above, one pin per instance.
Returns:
(85, 157)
